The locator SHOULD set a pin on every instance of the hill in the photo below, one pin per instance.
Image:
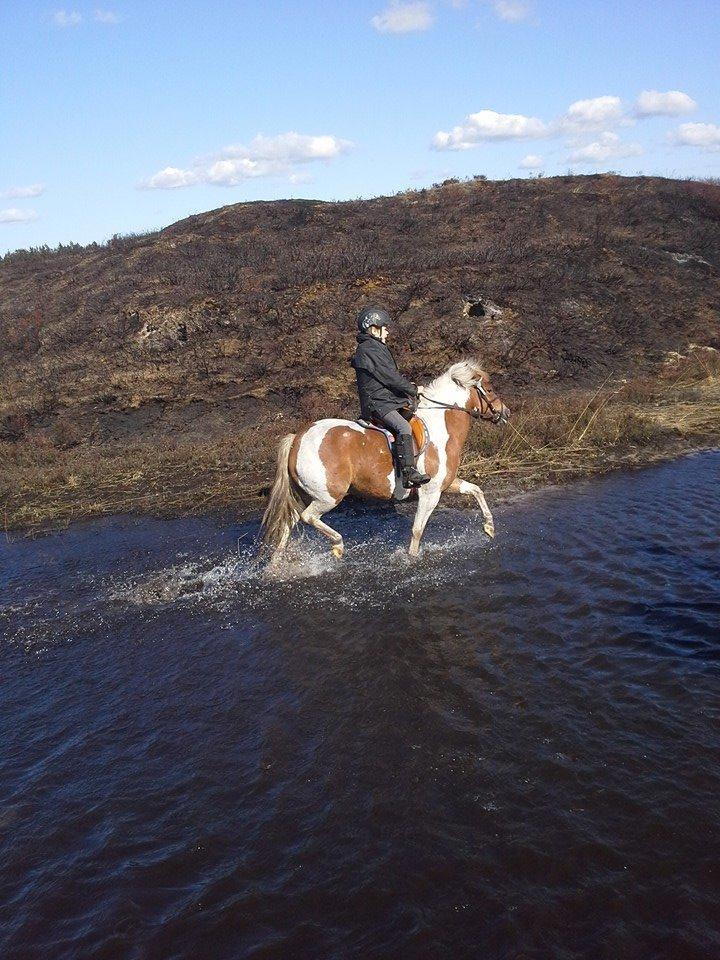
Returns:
(157, 371)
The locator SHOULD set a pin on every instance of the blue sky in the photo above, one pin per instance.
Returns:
(119, 117)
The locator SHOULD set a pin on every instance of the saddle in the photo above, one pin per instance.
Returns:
(419, 432)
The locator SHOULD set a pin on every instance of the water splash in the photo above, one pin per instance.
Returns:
(374, 569)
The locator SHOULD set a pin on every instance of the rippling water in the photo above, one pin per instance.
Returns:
(502, 750)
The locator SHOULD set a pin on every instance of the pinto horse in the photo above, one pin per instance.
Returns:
(320, 465)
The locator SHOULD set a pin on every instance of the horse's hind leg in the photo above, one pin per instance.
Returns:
(312, 514)
(464, 486)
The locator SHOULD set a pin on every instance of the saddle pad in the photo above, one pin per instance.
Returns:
(417, 425)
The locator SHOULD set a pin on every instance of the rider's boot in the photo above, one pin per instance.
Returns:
(406, 461)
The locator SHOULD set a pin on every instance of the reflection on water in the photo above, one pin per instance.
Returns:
(503, 749)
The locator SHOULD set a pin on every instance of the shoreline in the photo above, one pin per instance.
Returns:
(626, 464)
(507, 495)
(503, 494)
(573, 435)
(620, 463)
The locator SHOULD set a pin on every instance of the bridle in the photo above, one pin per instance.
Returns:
(489, 414)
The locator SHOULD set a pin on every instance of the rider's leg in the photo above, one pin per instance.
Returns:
(404, 452)
(396, 422)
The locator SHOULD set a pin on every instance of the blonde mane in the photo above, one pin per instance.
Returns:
(462, 374)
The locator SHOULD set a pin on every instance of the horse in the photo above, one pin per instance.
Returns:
(318, 466)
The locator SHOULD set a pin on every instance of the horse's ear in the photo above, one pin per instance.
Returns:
(478, 372)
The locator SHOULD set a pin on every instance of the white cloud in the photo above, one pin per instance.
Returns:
(531, 162)
(652, 103)
(262, 157)
(18, 193)
(401, 17)
(593, 118)
(597, 113)
(593, 114)
(170, 178)
(513, 11)
(608, 146)
(229, 173)
(106, 16)
(290, 148)
(65, 18)
(703, 135)
(489, 125)
(14, 215)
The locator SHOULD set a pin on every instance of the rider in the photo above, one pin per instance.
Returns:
(384, 392)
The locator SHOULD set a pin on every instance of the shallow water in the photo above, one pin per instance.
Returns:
(505, 749)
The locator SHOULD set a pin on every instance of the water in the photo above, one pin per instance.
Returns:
(502, 750)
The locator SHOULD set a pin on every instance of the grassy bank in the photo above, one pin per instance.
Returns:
(580, 434)
(550, 439)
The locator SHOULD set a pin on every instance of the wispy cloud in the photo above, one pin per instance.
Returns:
(15, 215)
(706, 136)
(106, 16)
(67, 18)
(513, 11)
(263, 157)
(399, 17)
(531, 162)
(18, 193)
(673, 103)
(608, 146)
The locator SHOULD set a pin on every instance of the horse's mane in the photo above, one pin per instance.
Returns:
(461, 374)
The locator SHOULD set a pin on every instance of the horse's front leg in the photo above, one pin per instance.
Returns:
(427, 501)
(464, 486)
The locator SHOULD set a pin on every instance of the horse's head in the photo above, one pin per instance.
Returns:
(477, 395)
(484, 399)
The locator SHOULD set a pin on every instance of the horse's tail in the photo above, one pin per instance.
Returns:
(284, 505)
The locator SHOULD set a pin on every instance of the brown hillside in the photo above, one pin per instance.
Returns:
(234, 325)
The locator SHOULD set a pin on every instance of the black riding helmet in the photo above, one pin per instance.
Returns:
(373, 317)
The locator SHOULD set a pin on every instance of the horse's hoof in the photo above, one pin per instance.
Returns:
(337, 551)
(489, 529)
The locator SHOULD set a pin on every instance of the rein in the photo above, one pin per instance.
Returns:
(475, 414)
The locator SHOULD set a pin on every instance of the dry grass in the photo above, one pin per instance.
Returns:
(580, 434)
(47, 488)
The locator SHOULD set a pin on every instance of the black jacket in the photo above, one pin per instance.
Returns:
(380, 385)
